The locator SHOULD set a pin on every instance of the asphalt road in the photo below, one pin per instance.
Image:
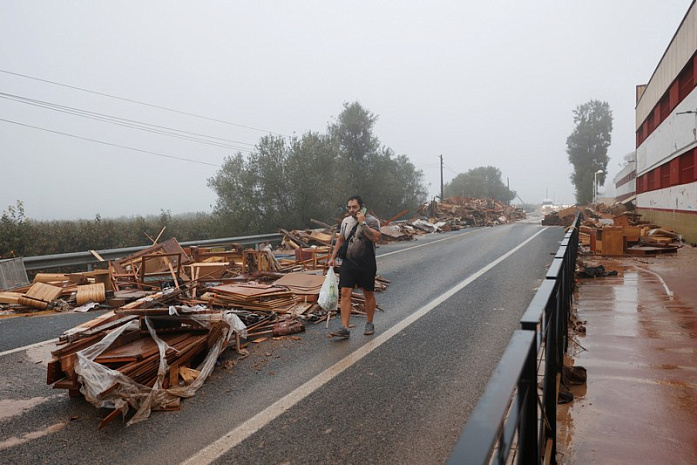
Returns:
(401, 396)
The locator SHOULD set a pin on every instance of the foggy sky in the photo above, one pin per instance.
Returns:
(480, 83)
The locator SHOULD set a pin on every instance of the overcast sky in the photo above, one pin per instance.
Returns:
(482, 83)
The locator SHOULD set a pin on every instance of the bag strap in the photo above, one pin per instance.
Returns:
(353, 231)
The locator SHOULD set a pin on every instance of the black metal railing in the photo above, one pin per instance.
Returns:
(512, 416)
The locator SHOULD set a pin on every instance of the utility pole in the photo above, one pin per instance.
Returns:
(508, 186)
(441, 177)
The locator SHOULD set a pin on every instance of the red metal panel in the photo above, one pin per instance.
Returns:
(665, 176)
(674, 177)
(675, 94)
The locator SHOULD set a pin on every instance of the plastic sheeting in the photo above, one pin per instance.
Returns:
(107, 388)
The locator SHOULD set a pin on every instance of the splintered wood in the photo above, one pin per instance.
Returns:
(614, 231)
(175, 311)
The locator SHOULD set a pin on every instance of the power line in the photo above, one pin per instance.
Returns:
(450, 169)
(139, 102)
(110, 144)
(147, 127)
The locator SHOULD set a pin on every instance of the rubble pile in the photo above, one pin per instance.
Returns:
(458, 212)
(172, 312)
(614, 230)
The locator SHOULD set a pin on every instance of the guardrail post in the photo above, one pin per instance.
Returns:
(552, 368)
(528, 447)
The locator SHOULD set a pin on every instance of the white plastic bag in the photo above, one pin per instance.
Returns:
(329, 293)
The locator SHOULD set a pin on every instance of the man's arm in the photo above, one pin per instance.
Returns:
(371, 232)
(337, 246)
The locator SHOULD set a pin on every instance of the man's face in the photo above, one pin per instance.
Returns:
(353, 207)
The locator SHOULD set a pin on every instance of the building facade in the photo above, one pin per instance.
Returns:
(666, 136)
(625, 183)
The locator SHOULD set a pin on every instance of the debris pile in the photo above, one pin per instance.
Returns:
(173, 311)
(142, 359)
(458, 212)
(614, 231)
(58, 292)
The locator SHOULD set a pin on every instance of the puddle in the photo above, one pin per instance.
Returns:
(16, 441)
(639, 404)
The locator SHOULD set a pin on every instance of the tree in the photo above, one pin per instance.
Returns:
(587, 147)
(389, 183)
(252, 192)
(313, 170)
(628, 159)
(482, 183)
(357, 146)
(287, 183)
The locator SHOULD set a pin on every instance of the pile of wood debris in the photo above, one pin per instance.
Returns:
(452, 214)
(457, 212)
(172, 312)
(614, 230)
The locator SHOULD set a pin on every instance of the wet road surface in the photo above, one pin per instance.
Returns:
(639, 404)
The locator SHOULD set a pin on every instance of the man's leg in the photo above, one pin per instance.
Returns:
(345, 306)
(369, 304)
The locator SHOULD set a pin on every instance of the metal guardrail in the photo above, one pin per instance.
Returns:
(43, 262)
(510, 410)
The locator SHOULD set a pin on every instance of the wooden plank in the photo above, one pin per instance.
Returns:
(53, 371)
(10, 297)
(90, 292)
(66, 383)
(107, 419)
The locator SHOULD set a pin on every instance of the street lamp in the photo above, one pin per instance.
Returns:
(595, 186)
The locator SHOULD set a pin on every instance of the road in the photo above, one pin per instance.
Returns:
(401, 396)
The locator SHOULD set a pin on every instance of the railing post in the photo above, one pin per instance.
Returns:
(549, 390)
(528, 447)
(545, 322)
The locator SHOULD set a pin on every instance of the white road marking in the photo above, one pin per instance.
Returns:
(53, 341)
(234, 437)
(665, 286)
(428, 243)
(31, 346)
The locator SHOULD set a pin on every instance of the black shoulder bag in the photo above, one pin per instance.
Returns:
(344, 247)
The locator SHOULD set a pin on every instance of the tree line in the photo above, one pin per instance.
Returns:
(23, 237)
(284, 183)
(288, 182)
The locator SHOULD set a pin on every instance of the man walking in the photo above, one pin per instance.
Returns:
(360, 231)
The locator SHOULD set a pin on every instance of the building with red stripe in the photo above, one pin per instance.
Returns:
(665, 175)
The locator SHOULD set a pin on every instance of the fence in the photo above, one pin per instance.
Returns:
(90, 258)
(511, 415)
(510, 410)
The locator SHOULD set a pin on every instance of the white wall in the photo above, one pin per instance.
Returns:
(679, 51)
(628, 187)
(674, 136)
(682, 197)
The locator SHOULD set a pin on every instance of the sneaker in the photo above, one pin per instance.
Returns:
(369, 328)
(341, 332)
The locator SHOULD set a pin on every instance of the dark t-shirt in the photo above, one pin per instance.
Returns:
(361, 250)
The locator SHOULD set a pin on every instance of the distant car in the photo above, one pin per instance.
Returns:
(548, 206)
